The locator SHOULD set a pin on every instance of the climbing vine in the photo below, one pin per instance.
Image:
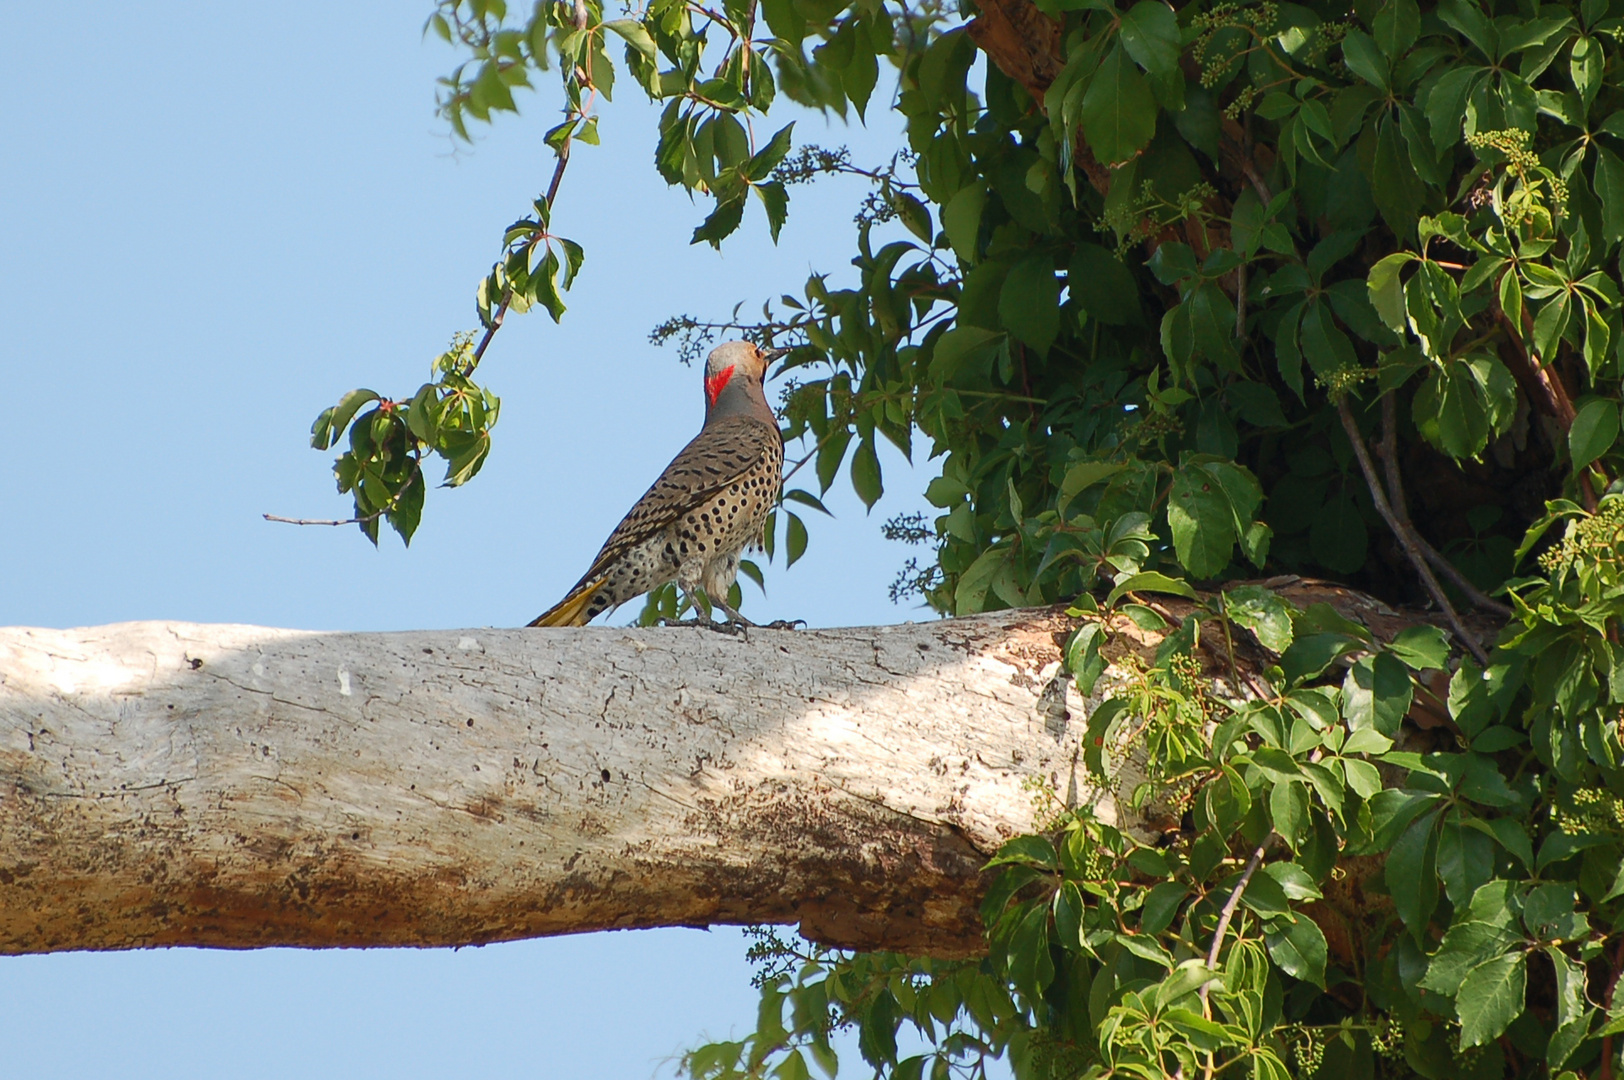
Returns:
(1179, 298)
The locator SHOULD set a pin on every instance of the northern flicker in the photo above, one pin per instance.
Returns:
(711, 502)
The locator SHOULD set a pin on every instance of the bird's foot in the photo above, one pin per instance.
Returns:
(784, 624)
(732, 629)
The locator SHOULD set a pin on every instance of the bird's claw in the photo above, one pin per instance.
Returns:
(785, 624)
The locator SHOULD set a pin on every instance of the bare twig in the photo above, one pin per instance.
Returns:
(374, 516)
(1388, 449)
(1547, 391)
(811, 454)
(1241, 156)
(324, 521)
(1405, 539)
(1225, 914)
(1240, 304)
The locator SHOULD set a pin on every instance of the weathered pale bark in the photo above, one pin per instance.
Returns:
(168, 784)
(234, 786)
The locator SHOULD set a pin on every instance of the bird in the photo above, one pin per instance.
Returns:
(709, 505)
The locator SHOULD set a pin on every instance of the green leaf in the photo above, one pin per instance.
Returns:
(1421, 647)
(1029, 850)
(1412, 875)
(1396, 189)
(794, 538)
(1084, 475)
(1446, 107)
(1311, 654)
(1202, 522)
(1325, 347)
(1572, 1009)
(1365, 58)
(1559, 846)
(723, 220)
(1262, 612)
(963, 348)
(1150, 581)
(1298, 947)
(767, 158)
(1288, 809)
(1150, 33)
(914, 217)
(1118, 111)
(961, 220)
(1029, 304)
(793, 1067)
(1396, 26)
(1594, 431)
(1031, 968)
(1386, 290)
(332, 422)
(1491, 997)
(1466, 945)
(865, 473)
(1376, 694)
(635, 36)
(971, 594)
(1551, 323)
(806, 498)
(1097, 279)
(1610, 193)
(1083, 657)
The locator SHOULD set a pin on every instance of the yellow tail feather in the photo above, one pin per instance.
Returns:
(571, 611)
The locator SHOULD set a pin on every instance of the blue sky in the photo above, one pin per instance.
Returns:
(217, 220)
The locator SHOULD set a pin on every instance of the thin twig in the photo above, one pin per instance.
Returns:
(1406, 541)
(1225, 914)
(1240, 304)
(812, 454)
(1229, 641)
(1388, 449)
(323, 521)
(1553, 395)
(374, 516)
(1243, 159)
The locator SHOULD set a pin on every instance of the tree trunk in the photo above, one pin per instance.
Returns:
(177, 784)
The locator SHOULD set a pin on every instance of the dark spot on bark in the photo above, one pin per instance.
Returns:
(470, 721)
(606, 776)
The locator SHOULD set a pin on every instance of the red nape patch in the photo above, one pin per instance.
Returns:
(715, 383)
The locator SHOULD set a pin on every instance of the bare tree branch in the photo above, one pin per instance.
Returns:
(1405, 538)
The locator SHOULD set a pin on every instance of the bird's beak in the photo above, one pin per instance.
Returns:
(769, 355)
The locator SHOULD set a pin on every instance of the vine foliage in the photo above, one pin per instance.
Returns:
(1183, 296)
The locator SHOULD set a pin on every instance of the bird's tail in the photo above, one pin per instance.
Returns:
(571, 611)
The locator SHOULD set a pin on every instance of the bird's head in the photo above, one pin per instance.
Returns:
(740, 364)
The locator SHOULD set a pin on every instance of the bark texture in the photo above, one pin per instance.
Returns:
(235, 786)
